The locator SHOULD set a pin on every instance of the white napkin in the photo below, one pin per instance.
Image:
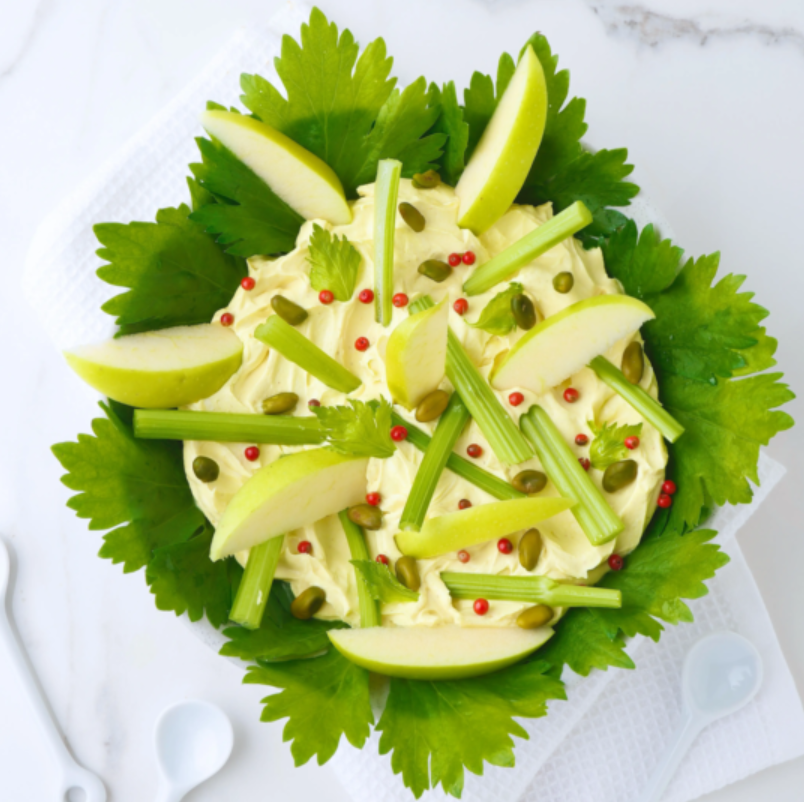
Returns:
(603, 742)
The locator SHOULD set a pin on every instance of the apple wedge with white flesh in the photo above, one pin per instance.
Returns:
(298, 177)
(566, 342)
(502, 159)
(160, 369)
(437, 653)
(458, 530)
(416, 355)
(294, 491)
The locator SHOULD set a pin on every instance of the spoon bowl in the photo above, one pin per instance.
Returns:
(193, 741)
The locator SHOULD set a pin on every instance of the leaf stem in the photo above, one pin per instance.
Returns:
(356, 540)
(386, 191)
(255, 585)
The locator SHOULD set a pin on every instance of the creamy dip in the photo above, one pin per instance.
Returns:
(567, 554)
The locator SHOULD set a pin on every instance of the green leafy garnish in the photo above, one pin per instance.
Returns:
(382, 585)
(139, 486)
(175, 273)
(360, 430)
(345, 109)
(663, 571)
(334, 263)
(323, 698)
(497, 316)
(451, 123)
(435, 729)
(608, 445)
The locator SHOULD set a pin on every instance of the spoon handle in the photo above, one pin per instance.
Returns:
(678, 746)
(169, 793)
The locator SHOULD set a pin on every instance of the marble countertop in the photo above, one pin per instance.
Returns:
(706, 96)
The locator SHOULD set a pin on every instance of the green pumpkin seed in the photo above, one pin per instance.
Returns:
(534, 617)
(529, 482)
(436, 270)
(279, 403)
(563, 282)
(633, 362)
(412, 216)
(530, 547)
(407, 572)
(206, 469)
(432, 406)
(619, 475)
(308, 603)
(523, 311)
(288, 311)
(427, 180)
(366, 516)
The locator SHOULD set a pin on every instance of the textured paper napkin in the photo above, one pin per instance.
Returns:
(602, 743)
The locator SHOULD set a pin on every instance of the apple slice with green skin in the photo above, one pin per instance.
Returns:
(562, 344)
(457, 530)
(434, 653)
(502, 159)
(296, 490)
(160, 369)
(301, 179)
(416, 355)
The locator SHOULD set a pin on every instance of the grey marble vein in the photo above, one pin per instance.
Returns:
(40, 14)
(654, 29)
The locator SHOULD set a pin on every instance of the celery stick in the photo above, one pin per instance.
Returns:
(525, 250)
(223, 427)
(449, 428)
(255, 586)
(492, 484)
(496, 424)
(386, 191)
(650, 409)
(293, 345)
(593, 514)
(532, 589)
(369, 609)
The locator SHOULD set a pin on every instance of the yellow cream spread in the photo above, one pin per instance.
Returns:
(567, 554)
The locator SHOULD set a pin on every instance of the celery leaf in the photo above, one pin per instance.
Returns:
(497, 316)
(360, 430)
(334, 263)
(608, 445)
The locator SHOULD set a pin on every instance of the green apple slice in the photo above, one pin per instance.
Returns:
(416, 355)
(296, 490)
(301, 179)
(457, 530)
(562, 344)
(160, 369)
(433, 653)
(502, 159)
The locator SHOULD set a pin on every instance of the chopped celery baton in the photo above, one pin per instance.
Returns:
(539, 241)
(275, 333)
(492, 484)
(252, 594)
(531, 589)
(650, 409)
(386, 191)
(356, 540)
(597, 519)
(225, 427)
(496, 424)
(450, 425)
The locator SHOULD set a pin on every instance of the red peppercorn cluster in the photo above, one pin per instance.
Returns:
(474, 451)
(461, 306)
(361, 343)
(399, 300)
(504, 545)
(305, 547)
(366, 296)
(464, 504)
(585, 463)
(464, 556)
(381, 558)
(373, 499)
(515, 399)
(227, 319)
(399, 433)
(571, 395)
(313, 402)
(631, 442)
(616, 562)
(468, 258)
(581, 439)
(326, 297)
(248, 283)
(252, 453)
(481, 606)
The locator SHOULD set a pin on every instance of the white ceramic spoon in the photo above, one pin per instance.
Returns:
(73, 776)
(722, 673)
(193, 741)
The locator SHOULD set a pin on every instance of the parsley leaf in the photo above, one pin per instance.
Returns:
(175, 273)
(251, 218)
(360, 430)
(608, 446)
(382, 585)
(665, 569)
(280, 636)
(435, 729)
(344, 109)
(334, 263)
(450, 123)
(497, 316)
(323, 698)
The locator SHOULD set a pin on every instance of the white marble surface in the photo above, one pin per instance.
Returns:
(706, 95)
